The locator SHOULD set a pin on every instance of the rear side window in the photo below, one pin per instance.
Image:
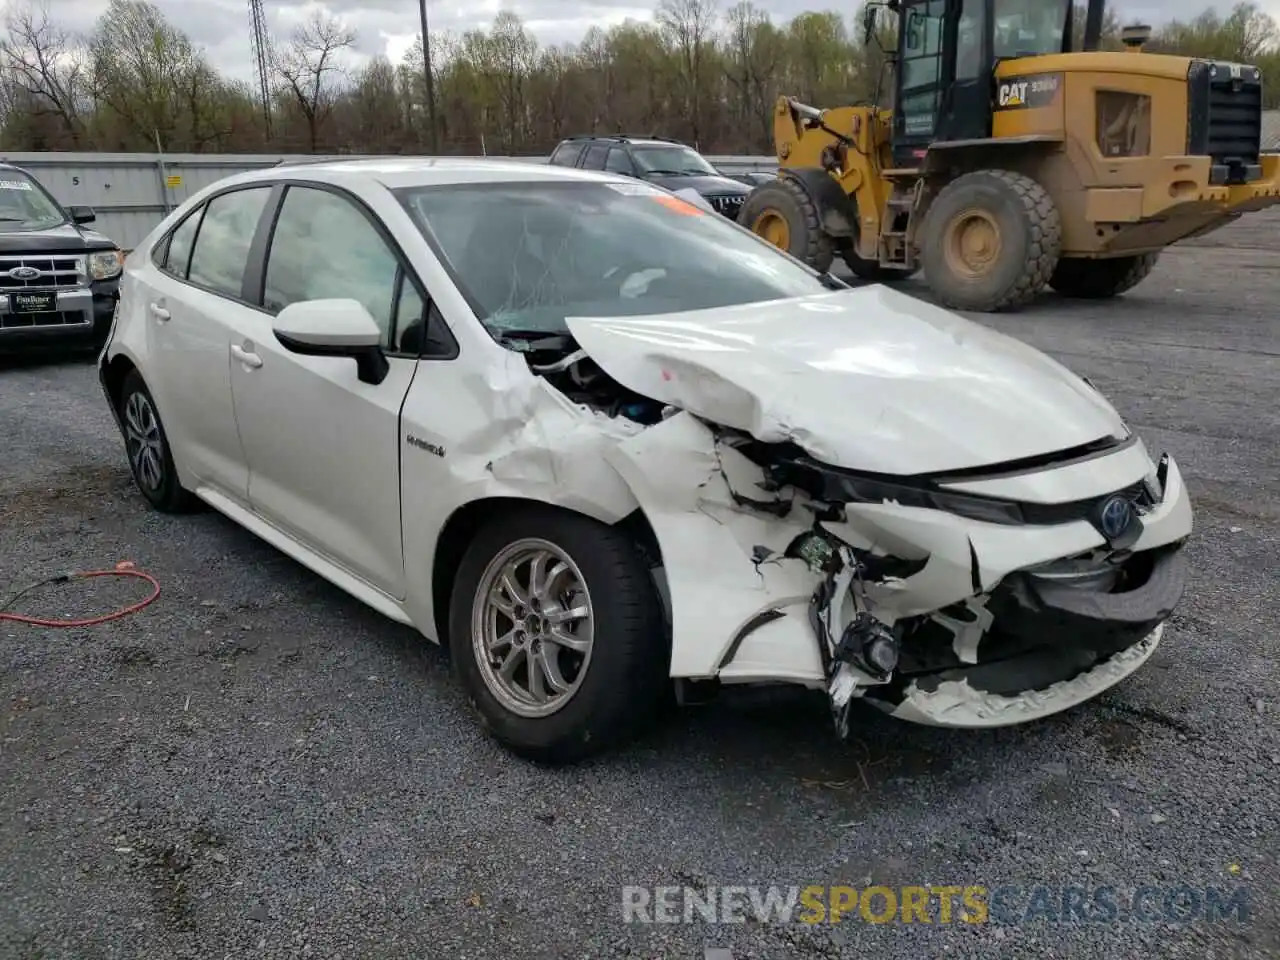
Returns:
(567, 154)
(177, 256)
(222, 242)
(595, 156)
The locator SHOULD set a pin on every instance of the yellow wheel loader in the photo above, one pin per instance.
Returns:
(1010, 161)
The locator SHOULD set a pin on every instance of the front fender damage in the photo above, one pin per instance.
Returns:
(933, 617)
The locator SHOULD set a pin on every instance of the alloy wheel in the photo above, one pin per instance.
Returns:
(532, 627)
(143, 442)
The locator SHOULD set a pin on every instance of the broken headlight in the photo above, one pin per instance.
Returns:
(848, 488)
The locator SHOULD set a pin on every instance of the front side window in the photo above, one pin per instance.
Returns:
(528, 255)
(595, 156)
(567, 154)
(618, 161)
(24, 205)
(323, 248)
(672, 161)
(222, 241)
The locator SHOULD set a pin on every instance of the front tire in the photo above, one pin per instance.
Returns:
(147, 446)
(992, 240)
(1101, 279)
(557, 635)
(782, 212)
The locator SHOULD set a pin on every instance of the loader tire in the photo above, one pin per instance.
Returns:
(782, 212)
(1100, 279)
(871, 271)
(991, 241)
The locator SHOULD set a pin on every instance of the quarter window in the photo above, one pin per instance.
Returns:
(222, 242)
(178, 254)
(325, 248)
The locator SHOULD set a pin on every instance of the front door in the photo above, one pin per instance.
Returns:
(324, 448)
(921, 80)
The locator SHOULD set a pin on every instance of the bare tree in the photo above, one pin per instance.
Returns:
(312, 72)
(47, 67)
(689, 25)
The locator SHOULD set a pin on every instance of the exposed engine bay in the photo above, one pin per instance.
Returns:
(932, 596)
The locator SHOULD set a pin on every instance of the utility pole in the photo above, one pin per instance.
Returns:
(431, 84)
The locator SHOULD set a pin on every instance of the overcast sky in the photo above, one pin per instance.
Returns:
(390, 26)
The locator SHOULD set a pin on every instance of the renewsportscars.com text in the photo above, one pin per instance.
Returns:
(935, 904)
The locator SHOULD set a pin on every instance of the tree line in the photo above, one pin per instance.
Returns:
(699, 72)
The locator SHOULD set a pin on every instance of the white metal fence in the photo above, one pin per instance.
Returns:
(132, 192)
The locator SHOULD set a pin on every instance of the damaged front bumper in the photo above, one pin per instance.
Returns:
(936, 608)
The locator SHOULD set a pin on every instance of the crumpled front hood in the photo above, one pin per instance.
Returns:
(869, 379)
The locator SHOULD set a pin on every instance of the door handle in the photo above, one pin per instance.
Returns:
(245, 357)
(159, 312)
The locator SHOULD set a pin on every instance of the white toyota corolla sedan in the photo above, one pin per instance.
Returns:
(606, 444)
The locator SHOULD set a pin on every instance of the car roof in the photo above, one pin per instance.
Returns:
(650, 141)
(396, 172)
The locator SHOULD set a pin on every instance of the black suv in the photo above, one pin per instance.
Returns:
(666, 163)
(58, 281)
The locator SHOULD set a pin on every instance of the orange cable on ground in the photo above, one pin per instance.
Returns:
(121, 570)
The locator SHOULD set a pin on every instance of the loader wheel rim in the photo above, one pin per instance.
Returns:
(972, 244)
(773, 226)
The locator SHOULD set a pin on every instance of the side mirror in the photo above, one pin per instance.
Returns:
(82, 214)
(334, 328)
(868, 24)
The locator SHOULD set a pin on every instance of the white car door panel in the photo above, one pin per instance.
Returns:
(189, 332)
(323, 447)
(323, 451)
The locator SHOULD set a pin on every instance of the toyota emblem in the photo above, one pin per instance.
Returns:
(1116, 515)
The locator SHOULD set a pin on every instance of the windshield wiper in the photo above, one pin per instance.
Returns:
(832, 283)
(12, 220)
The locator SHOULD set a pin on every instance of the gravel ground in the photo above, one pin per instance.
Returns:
(256, 766)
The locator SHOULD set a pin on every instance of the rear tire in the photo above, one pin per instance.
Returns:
(611, 684)
(147, 447)
(1101, 279)
(783, 213)
(992, 240)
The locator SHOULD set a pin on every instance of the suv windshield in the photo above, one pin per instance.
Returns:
(671, 160)
(24, 204)
(528, 255)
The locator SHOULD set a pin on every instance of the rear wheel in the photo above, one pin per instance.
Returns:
(781, 212)
(1100, 279)
(991, 241)
(557, 634)
(147, 446)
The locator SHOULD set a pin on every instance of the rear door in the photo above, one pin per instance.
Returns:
(191, 292)
(323, 448)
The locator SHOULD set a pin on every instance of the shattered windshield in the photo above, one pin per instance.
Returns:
(24, 205)
(1030, 28)
(672, 161)
(528, 255)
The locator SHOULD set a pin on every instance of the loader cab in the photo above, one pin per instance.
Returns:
(946, 57)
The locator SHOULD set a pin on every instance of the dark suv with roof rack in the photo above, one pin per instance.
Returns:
(58, 281)
(658, 160)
